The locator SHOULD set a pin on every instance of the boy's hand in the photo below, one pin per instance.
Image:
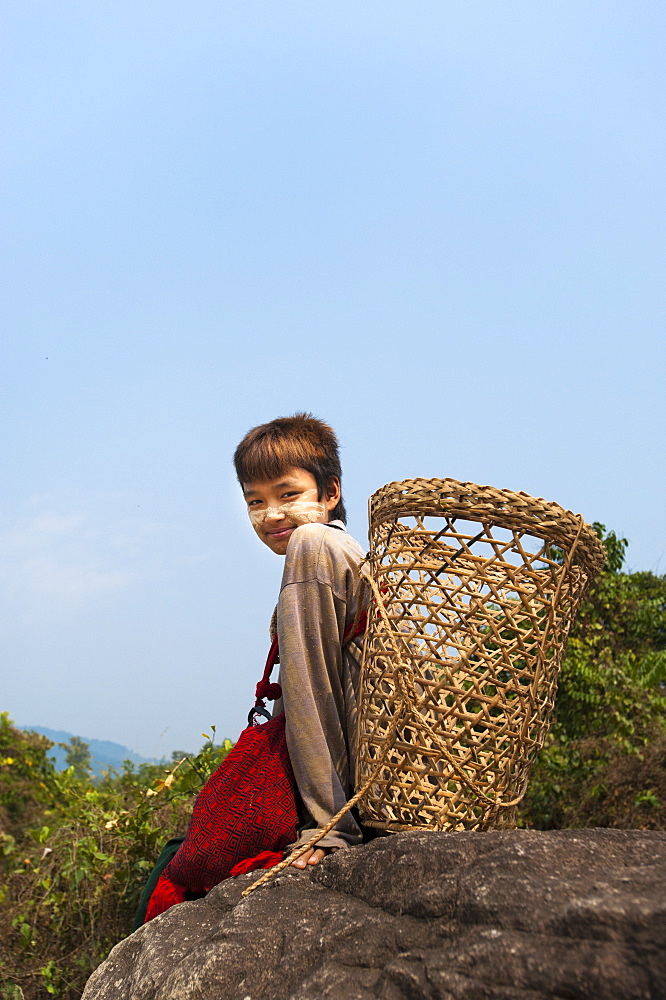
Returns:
(313, 856)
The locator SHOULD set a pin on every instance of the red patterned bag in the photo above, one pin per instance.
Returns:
(245, 815)
(247, 806)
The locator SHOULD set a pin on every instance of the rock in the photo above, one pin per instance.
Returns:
(504, 915)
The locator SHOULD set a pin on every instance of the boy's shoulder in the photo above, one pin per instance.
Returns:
(333, 533)
(317, 538)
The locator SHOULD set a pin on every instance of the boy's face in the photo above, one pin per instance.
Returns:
(278, 506)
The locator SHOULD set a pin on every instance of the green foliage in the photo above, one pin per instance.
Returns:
(647, 798)
(616, 548)
(25, 769)
(78, 756)
(610, 708)
(73, 867)
(10, 991)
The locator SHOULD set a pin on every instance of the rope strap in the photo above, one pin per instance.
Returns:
(304, 848)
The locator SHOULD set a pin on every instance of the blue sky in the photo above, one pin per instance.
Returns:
(437, 225)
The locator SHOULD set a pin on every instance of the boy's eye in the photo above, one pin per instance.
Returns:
(292, 493)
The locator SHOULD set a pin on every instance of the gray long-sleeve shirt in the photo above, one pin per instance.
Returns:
(318, 600)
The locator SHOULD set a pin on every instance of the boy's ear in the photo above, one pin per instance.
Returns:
(333, 492)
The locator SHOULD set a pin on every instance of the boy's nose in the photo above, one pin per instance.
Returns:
(274, 514)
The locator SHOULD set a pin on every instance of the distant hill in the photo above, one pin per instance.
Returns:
(104, 754)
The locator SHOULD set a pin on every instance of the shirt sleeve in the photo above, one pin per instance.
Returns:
(319, 678)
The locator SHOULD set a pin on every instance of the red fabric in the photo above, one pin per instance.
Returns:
(163, 897)
(264, 688)
(166, 894)
(245, 815)
(265, 859)
(248, 805)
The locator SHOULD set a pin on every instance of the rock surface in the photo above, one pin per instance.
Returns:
(505, 915)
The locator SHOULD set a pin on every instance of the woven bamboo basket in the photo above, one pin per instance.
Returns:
(475, 590)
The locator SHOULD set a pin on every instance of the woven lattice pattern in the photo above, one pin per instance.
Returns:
(475, 590)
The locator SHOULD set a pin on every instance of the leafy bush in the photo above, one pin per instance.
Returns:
(77, 855)
(24, 771)
(603, 763)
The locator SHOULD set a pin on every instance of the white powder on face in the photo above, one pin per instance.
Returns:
(298, 511)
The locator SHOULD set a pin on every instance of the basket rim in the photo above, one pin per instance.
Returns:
(505, 508)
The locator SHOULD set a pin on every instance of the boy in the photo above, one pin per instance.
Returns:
(289, 470)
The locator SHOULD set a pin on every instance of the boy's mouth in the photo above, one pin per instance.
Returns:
(278, 533)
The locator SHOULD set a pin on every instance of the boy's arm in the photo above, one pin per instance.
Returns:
(319, 679)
